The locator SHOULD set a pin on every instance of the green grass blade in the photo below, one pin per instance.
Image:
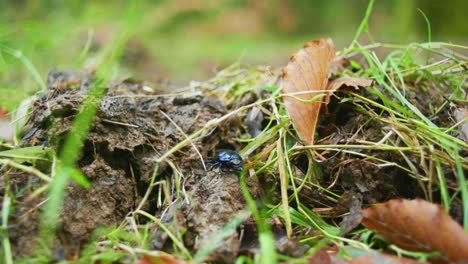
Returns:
(265, 236)
(27, 63)
(428, 24)
(364, 26)
(6, 241)
(26, 154)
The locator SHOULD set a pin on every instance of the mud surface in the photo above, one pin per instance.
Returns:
(132, 129)
(215, 200)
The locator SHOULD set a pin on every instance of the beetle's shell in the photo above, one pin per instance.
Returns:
(229, 159)
(226, 155)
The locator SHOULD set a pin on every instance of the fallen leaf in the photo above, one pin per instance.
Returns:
(346, 81)
(418, 225)
(304, 82)
(306, 77)
(339, 64)
(321, 257)
(376, 257)
(329, 256)
(354, 82)
(148, 259)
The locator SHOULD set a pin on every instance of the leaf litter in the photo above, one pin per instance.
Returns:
(306, 87)
(305, 77)
(365, 158)
(420, 226)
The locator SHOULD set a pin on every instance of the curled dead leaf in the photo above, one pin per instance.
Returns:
(347, 81)
(304, 82)
(418, 225)
(325, 256)
(350, 82)
(305, 78)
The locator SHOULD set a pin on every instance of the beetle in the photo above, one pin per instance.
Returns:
(226, 160)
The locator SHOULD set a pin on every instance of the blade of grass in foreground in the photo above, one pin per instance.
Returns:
(364, 26)
(68, 157)
(265, 236)
(81, 125)
(6, 241)
(27, 63)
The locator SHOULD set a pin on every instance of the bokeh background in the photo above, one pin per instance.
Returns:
(179, 41)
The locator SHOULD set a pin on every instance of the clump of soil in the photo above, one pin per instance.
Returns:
(132, 129)
(216, 201)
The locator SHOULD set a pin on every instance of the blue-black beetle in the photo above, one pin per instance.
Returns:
(226, 160)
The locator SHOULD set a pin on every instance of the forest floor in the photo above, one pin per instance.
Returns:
(142, 188)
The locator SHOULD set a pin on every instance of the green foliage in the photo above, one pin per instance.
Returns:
(27, 154)
(391, 106)
(36, 37)
(265, 235)
(7, 255)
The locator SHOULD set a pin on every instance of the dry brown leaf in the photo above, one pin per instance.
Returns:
(307, 70)
(324, 256)
(306, 77)
(354, 82)
(376, 257)
(347, 81)
(148, 259)
(418, 225)
(321, 257)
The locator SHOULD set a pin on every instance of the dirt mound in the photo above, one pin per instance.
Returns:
(132, 129)
(187, 207)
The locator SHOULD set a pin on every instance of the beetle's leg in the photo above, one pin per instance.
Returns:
(221, 169)
(209, 163)
(212, 164)
(238, 168)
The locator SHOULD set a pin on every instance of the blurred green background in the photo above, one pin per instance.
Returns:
(190, 39)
